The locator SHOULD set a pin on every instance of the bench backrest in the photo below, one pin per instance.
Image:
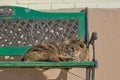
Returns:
(21, 28)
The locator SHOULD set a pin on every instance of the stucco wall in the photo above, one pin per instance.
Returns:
(107, 23)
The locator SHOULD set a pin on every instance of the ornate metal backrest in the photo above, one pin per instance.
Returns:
(21, 26)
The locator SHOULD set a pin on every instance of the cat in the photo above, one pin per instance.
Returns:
(45, 52)
(69, 50)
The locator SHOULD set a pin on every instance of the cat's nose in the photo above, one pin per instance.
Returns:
(72, 49)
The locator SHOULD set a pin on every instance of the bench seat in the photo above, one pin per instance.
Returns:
(17, 51)
(46, 64)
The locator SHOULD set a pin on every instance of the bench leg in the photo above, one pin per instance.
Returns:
(93, 73)
(62, 75)
(88, 71)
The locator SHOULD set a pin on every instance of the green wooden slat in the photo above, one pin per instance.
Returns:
(25, 13)
(46, 64)
(13, 50)
(81, 27)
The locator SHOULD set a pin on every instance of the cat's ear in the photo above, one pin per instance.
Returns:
(67, 41)
(81, 43)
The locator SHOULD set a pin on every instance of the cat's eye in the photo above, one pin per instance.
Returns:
(81, 45)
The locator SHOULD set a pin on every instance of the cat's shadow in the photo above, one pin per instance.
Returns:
(27, 74)
(21, 74)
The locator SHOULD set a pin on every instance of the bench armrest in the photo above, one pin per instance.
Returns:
(94, 37)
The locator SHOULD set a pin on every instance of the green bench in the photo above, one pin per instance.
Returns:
(21, 28)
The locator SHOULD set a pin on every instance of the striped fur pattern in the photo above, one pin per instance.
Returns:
(70, 50)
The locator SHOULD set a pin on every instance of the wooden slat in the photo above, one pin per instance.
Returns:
(46, 64)
(13, 50)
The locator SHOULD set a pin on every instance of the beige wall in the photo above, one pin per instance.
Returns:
(107, 23)
(104, 21)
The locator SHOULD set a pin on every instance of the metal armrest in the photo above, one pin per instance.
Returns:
(94, 37)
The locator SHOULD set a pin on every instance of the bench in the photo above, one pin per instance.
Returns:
(21, 28)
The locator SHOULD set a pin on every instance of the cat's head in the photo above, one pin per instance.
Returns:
(77, 47)
(75, 42)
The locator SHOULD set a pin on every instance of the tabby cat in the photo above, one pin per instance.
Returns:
(45, 52)
(69, 50)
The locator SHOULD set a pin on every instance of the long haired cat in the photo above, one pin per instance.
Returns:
(69, 50)
(45, 52)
